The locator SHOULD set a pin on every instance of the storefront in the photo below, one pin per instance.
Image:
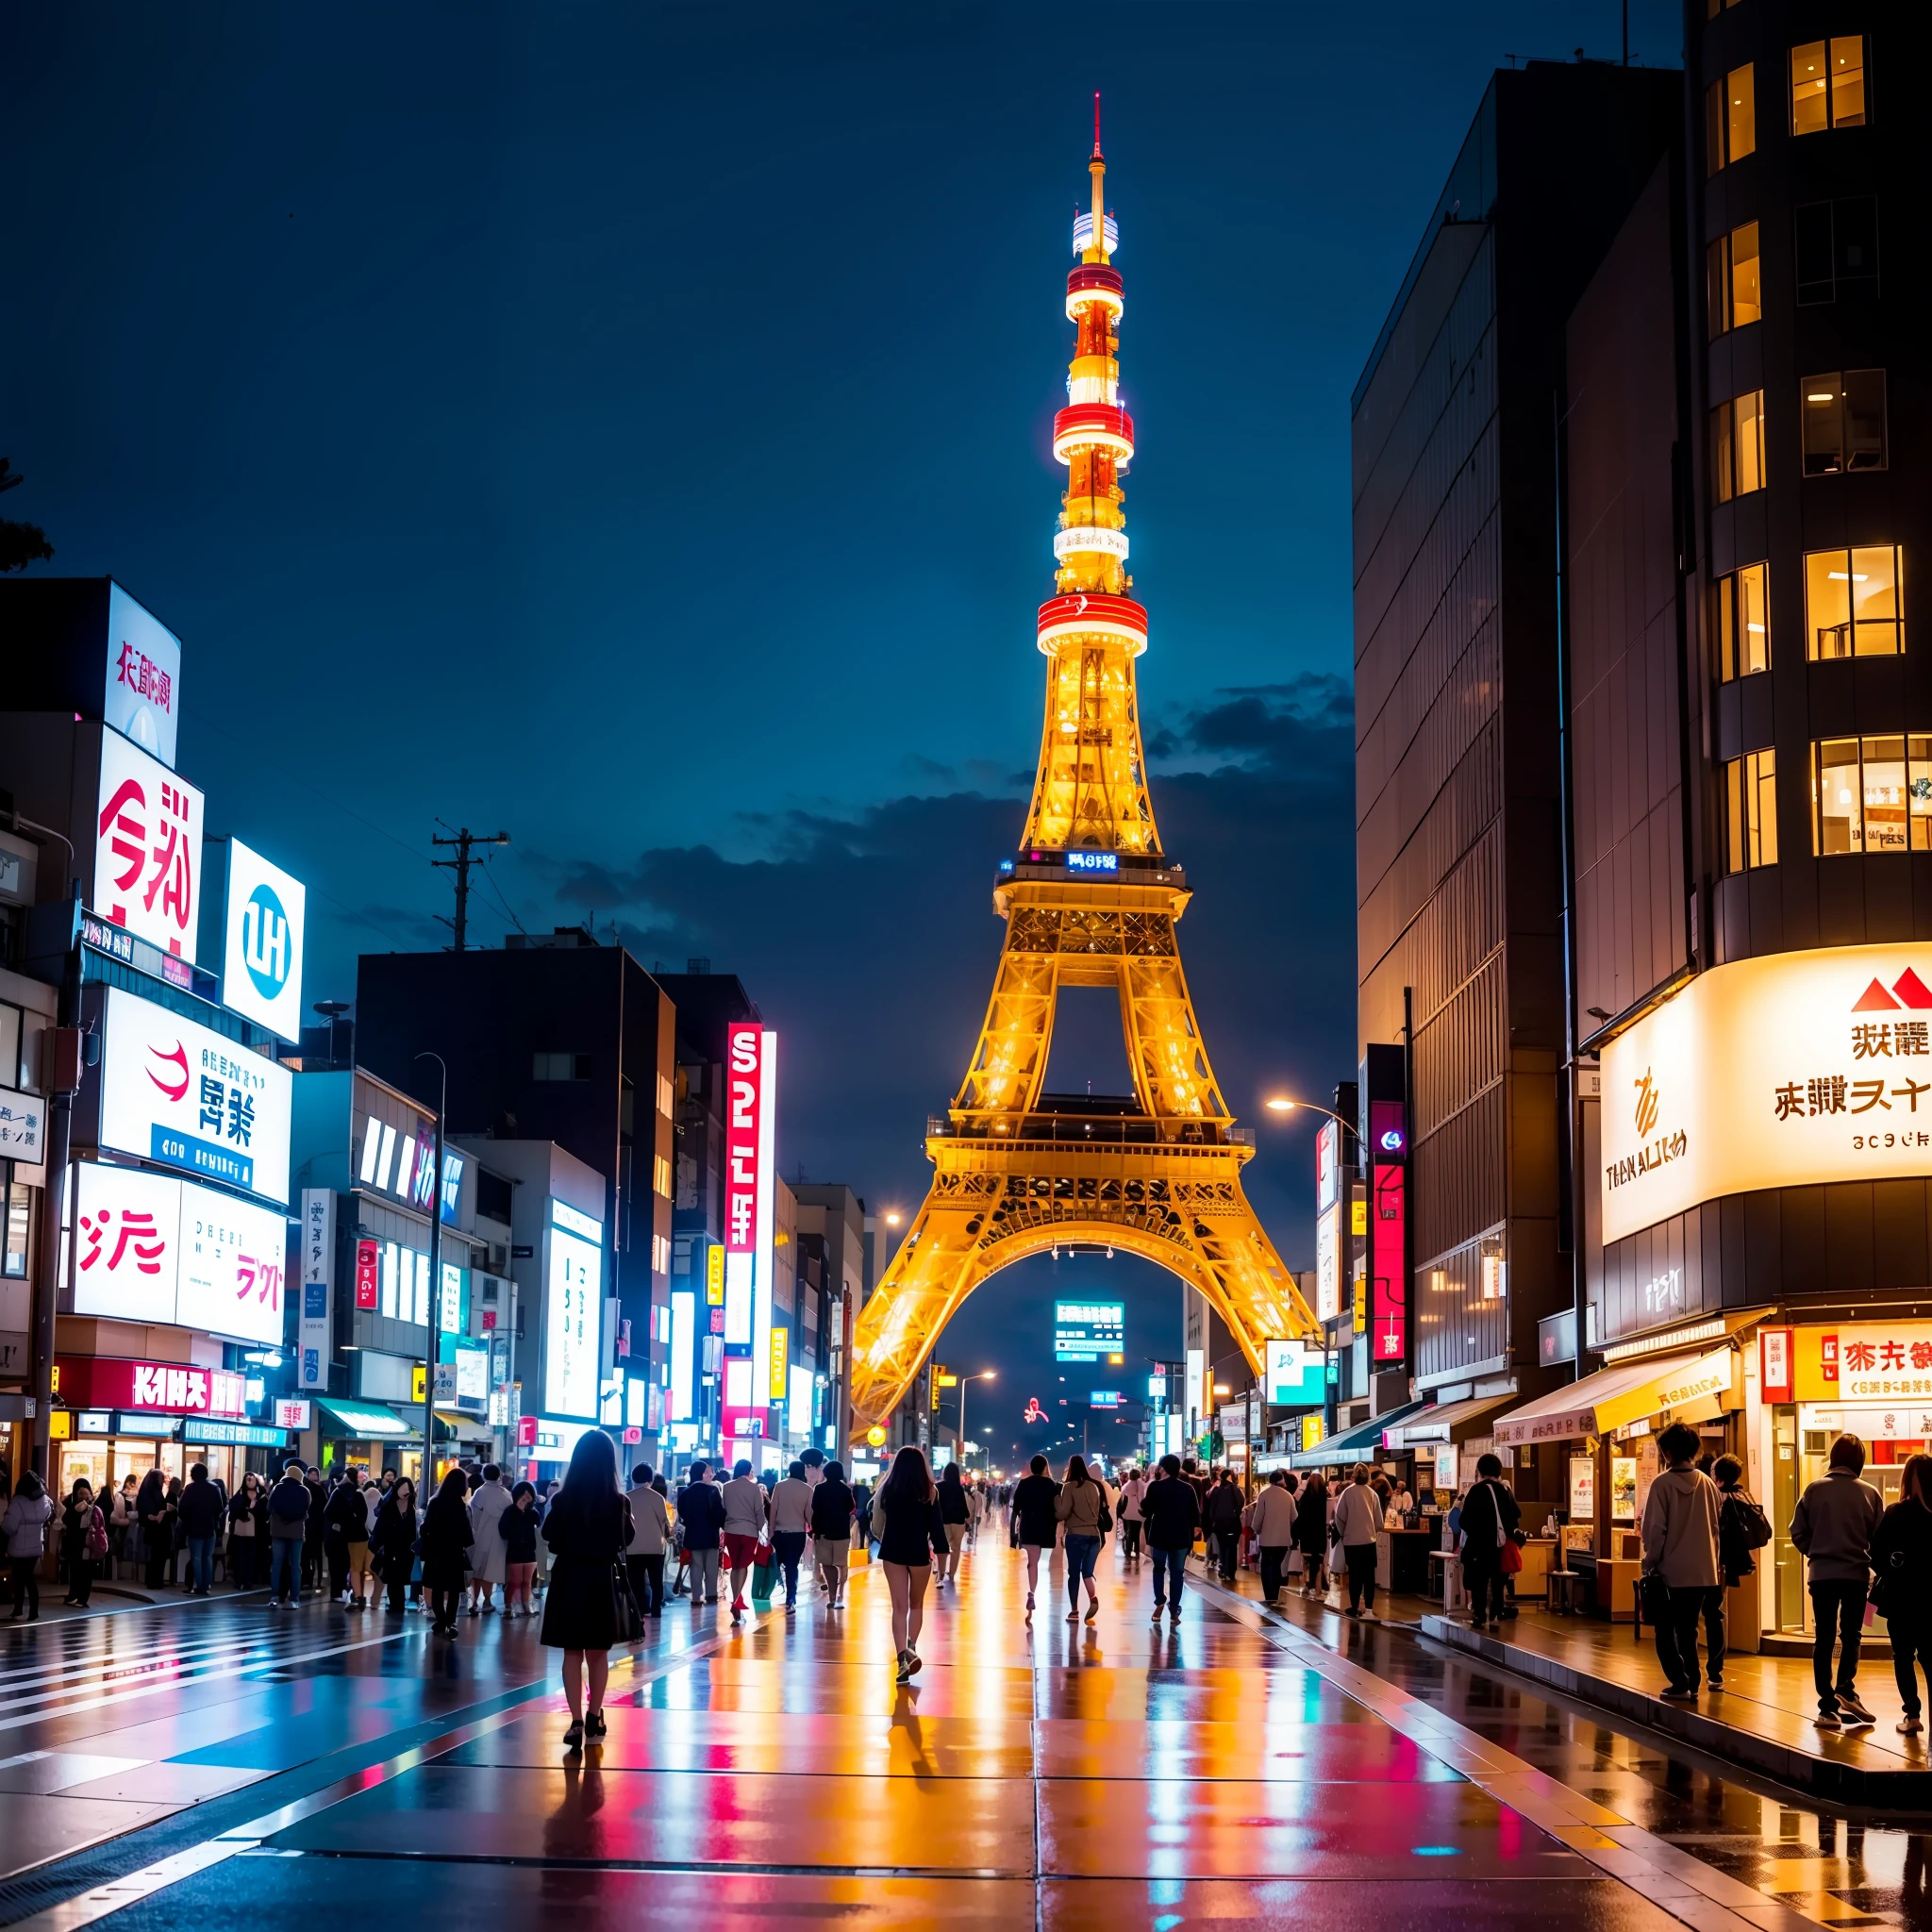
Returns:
(366, 1435)
(1443, 1441)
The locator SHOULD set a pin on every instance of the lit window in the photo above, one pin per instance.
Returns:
(1837, 249)
(662, 1173)
(1737, 446)
(1845, 421)
(1731, 272)
(1743, 622)
(1730, 120)
(1871, 794)
(19, 1219)
(1750, 811)
(1828, 84)
(1852, 600)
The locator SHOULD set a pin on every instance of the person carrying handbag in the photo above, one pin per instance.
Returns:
(1489, 1520)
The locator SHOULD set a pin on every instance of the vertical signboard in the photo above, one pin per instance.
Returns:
(683, 1344)
(261, 943)
(368, 1268)
(744, 1086)
(1388, 1232)
(142, 699)
(146, 869)
(314, 1341)
(763, 1389)
(573, 1282)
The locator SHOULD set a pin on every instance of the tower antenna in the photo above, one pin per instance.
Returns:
(1096, 120)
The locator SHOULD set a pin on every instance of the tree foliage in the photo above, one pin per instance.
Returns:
(20, 543)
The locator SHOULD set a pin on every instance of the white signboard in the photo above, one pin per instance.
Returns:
(23, 1127)
(292, 1412)
(181, 1094)
(315, 1315)
(144, 694)
(146, 873)
(1781, 1071)
(150, 1248)
(261, 943)
(1328, 1262)
(572, 1278)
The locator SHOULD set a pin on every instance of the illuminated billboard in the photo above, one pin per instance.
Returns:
(261, 943)
(145, 870)
(1295, 1375)
(573, 1277)
(1089, 1331)
(1787, 1071)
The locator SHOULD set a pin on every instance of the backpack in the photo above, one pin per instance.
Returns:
(1747, 1523)
(96, 1535)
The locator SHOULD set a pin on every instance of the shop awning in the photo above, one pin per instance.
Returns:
(363, 1420)
(1362, 1444)
(1625, 1393)
(462, 1423)
(1440, 1421)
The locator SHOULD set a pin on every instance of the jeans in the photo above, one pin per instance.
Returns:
(1130, 1537)
(1227, 1544)
(285, 1569)
(1169, 1566)
(1484, 1583)
(788, 1545)
(704, 1575)
(1360, 1559)
(201, 1562)
(26, 1584)
(1272, 1561)
(1842, 1606)
(1676, 1635)
(1911, 1638)
(1081, 1552)
(647, 1584)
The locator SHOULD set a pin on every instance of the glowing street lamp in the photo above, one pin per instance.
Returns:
(1280, 1103)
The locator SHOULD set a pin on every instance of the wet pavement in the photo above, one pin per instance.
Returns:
(220, 1763)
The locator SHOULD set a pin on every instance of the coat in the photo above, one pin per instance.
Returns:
(1078, 1505)
(1271, 1516)
(492, 1559)
(393, 1538)
(1172, 1509)
(650, 1522)
(446, 1536)
(580, 1607)
(1833, 1524)
(701, 1515)
(25, 1524)
(1680, 1529)
(1034, 1497)
(1357, 1516)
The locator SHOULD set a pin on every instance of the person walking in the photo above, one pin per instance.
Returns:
(201, 1514)
(1171, 1511)
(1902, 1557)
(701, 1528)
(289, 1505)
(745, 1514)
(1132, 1491)
(588, 1528)
(1036, 1519)
(393, 1542)
(650, 1536)
(834, 1509)
(1742, 1529)
(83, 1542)
(447, 1535)
(1489, 1518)
(1270, 1519)
(1358, 1525)
(24, 1525)
(1833, 1525)
(1082, 1508)
(1679, 1536)
(1226, 1507)
(906, 1520)
(518, 1530)
(1311, 1534)
(791, 1526)
(487, 1503)
(954, 1513)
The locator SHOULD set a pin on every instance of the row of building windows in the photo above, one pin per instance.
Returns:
(1835, 255)
(1827, 92)
(1853, 608)
(1843, 414)
(1868, 795)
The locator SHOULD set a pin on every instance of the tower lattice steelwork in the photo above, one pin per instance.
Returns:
(1090, 900)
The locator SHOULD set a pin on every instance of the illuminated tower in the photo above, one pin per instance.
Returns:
(1090, 900)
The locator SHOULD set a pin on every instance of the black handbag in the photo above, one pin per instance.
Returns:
(627, 1618)
(1656, 1598)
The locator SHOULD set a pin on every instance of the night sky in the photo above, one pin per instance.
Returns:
(628, 428)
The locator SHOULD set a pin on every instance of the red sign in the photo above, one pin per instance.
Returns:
(1774, 1364)
(368, 1274)
(170, 1387)
(744, 1102)
(526, 1432)
(1827, 1358)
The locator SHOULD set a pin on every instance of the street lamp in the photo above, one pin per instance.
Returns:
(1281, 1103)
(984, 1376)
(429, 1332)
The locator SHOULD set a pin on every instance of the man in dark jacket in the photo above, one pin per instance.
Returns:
(701, 1516)
(313, 1529)
(1833, 1525)
(1172, 1512)
(1224, 1518)
(288, 1506)
(1489, 1517)
(1036, 1526)
(202, 1511)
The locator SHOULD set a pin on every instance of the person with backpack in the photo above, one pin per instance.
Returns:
(290, 1505)
(1082, 1508)
(1680, 1539)
(1489, 1518)
(1743, 1528)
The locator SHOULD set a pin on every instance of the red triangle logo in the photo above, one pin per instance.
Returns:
(1912, 990)
(1876, 1000)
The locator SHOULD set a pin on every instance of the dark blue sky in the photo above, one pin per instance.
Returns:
(628, 427)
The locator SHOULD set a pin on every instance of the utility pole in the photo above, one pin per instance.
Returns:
(462, 845)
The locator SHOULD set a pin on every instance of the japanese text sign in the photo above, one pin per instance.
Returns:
(146, 869)
(142, 699)
(744, 1102)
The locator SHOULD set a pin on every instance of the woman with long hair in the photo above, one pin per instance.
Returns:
(1902, 1556)
(957, 1513)
(392, 1537)
(1078, 1505)
(446, 1535)
(588, 1528)
(1311, 1534)
(907, 1522)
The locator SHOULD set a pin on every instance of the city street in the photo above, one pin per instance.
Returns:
(214, 1765)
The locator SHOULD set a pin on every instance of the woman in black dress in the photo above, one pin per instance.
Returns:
(393, 1542)
(906, 1520)
(446, 1534)
(588, 1528)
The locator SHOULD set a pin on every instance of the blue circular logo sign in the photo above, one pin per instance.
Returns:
(266, 941)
